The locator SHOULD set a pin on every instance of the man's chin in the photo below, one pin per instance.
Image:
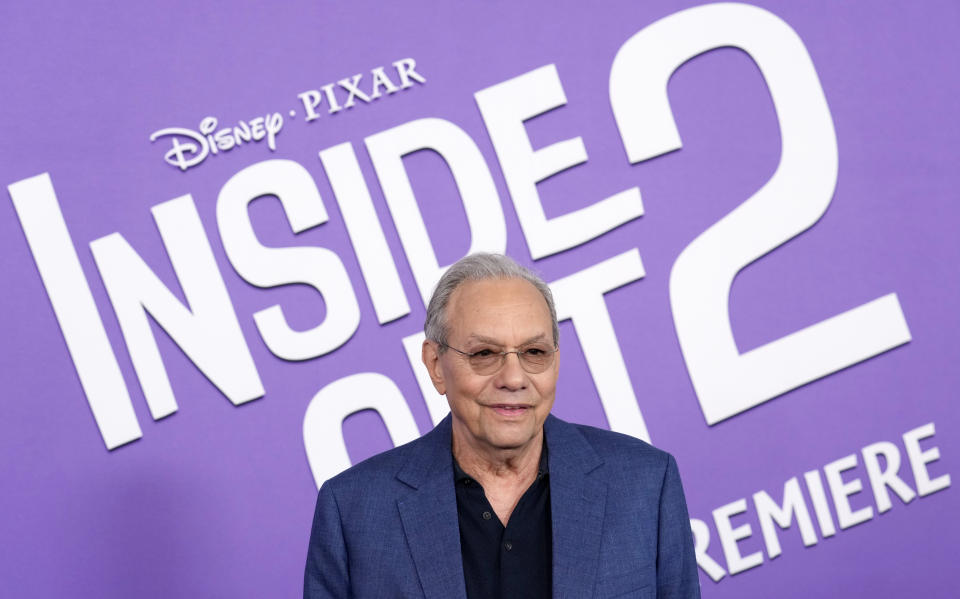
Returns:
(515, 441)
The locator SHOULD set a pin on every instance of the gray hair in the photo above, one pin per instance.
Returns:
(479, 267)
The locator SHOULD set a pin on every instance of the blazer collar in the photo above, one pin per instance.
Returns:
(429, 515)
(577, 502)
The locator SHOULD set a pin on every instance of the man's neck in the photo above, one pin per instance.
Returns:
(504, 474)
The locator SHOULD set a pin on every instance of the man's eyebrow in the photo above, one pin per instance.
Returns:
(492, 341)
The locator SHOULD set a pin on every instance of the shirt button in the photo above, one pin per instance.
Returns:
(508, 545)
(487, 515)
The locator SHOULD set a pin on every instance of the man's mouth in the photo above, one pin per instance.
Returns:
(510, 409)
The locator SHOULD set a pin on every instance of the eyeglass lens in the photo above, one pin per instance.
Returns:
(532, 359)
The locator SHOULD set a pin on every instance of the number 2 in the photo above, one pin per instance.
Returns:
(796, 196)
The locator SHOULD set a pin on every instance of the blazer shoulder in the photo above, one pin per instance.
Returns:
(411, 458)
(377, 468)
(620, 450)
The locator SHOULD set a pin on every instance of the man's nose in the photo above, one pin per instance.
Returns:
(512, 375)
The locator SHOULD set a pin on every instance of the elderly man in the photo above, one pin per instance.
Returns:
(502, 499)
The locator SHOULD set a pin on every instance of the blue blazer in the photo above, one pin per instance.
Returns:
(388, 526)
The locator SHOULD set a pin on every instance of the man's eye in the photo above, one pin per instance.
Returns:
(483, 353)
(535, 351)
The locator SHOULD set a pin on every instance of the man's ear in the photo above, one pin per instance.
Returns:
(431, 359)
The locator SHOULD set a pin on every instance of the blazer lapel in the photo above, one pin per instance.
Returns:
(429, 516)
(577, 502)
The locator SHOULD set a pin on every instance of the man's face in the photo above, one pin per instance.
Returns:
(504, 410)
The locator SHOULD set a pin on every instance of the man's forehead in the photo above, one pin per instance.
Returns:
(488, 300)
(494, 292)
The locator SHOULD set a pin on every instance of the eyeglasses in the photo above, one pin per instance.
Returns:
(533, 358)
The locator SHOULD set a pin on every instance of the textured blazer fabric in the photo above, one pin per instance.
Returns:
(388, 526)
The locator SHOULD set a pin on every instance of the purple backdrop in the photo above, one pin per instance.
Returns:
(216, 500)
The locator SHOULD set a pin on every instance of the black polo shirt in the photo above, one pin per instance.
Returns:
(515, 561)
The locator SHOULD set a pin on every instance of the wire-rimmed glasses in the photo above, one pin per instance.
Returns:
(533, 358)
